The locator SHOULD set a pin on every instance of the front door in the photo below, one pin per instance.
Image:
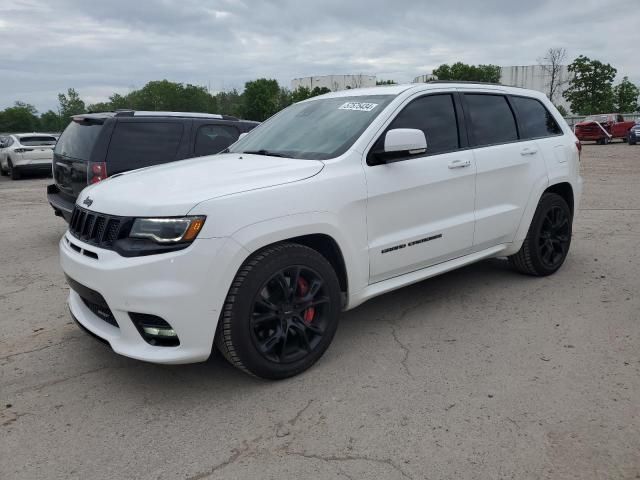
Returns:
(420, 209)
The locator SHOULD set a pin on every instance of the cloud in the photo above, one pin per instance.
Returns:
(100, 47)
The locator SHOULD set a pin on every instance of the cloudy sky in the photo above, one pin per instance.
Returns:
(101, 47)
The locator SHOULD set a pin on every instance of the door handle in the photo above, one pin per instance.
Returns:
(459, 164)
(528, 151)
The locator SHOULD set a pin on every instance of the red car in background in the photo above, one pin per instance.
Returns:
(603, 128)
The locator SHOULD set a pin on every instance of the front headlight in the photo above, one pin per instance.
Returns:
(167, 230)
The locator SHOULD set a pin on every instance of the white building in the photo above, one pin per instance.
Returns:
(425, 78)
(536, 77)
(334, 82)
(533, 77)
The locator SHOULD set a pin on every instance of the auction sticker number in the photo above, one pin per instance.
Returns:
(358, 106)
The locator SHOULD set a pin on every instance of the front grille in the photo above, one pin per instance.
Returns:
(97, 228)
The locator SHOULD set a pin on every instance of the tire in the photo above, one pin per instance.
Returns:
(546, 246)
(631, 141)
(3, 172)
(605, 141)
(269, 330)
(14, 173)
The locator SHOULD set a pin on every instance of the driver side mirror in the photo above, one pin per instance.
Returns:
(410, 140)
(242, 135)
(401, 142)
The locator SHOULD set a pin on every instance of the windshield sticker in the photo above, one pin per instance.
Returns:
(358, 106)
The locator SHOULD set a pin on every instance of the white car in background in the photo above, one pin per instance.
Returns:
(26, 152)
(331, 202)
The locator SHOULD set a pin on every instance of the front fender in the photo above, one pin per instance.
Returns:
(261, 234)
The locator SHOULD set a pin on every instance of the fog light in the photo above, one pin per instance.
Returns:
(154, 330)
(159, 332)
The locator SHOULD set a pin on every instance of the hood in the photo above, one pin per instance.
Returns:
(175, 188)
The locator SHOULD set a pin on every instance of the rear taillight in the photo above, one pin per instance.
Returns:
(96, 171)
(23, 150)
(579, 147)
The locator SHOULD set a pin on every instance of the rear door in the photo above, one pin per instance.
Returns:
(71, 154)
(137, 143)
(420, 208)
(507, 168)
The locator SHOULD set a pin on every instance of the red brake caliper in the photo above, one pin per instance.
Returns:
(303, 289)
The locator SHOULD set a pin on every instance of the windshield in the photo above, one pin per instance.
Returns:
(315, 130)
(37, 141)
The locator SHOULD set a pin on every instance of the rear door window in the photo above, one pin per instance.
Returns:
(211, 139)
(140, 144)
(535, 120)
(492, 121)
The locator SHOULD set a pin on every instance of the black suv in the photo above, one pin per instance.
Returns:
(97, 145)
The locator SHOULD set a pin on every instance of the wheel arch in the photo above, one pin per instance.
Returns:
(565, 190)
(561, 187)
(316, 232)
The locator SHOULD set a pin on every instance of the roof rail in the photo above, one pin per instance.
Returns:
(142, 113)
(470, 82)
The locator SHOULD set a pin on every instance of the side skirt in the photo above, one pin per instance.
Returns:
(400, 281)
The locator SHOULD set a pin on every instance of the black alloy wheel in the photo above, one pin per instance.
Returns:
(555, 237)
(548, 239)
(289, 314)
(281, 312)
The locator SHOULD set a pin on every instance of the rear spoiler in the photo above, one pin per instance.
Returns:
(88, 119)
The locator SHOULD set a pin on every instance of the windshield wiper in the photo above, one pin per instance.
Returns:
(267, 153)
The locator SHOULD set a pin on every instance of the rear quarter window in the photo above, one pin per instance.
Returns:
(141, 144)
(212, 139)
(535, 120)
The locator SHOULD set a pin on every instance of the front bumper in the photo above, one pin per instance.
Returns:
(185, 288)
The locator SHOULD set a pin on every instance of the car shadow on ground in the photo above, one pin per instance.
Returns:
(216, 375)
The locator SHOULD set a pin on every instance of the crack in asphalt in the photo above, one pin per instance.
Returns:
(350, 458)
(9, 358)
(394, 324)
(8, 294)
(295, 419)
(50, 383)
(404, 348)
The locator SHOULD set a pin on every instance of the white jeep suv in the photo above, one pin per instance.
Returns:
(327, 204)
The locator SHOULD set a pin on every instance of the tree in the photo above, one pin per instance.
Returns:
(552, 64)
(562, 110)
(386, 82)
(319, 91)
(50, 122)
(261, 99)
(468, 73)
(625, 96)
(300, 94)
(19, 118)
(70, 104)
(590, 90)
(229, 103)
